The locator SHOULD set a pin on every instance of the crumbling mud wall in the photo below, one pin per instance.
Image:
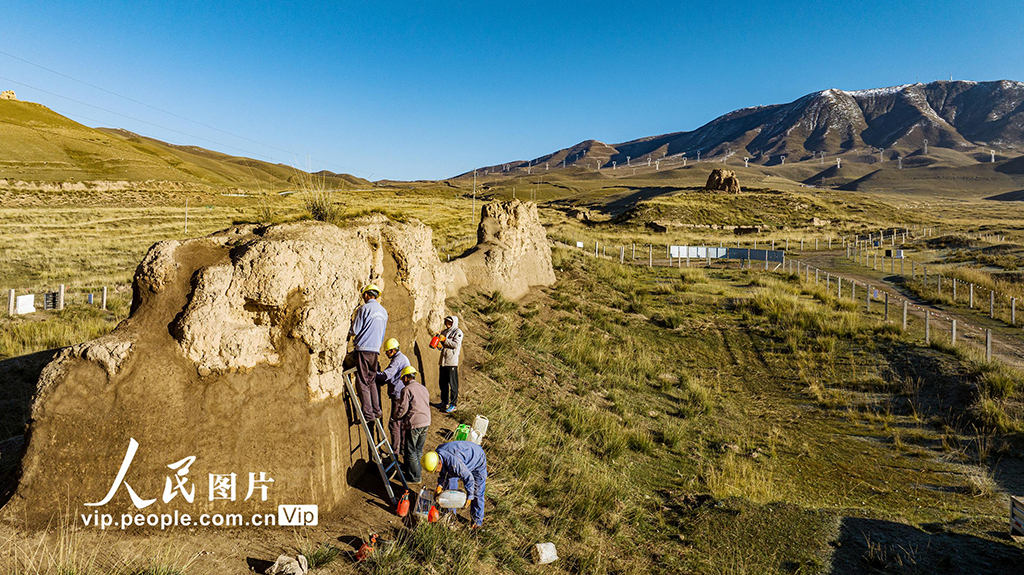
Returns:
(512, 252)
(231, 363)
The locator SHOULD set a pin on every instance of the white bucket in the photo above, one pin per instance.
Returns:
(480, 425)
(544, 553)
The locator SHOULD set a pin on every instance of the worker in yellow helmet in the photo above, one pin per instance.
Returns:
(391, 376)
(367, 330)
(414, 412)
(463, 460)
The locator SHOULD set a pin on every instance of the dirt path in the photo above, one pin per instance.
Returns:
(1007, 343)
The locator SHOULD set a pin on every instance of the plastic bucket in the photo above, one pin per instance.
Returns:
(424, 502)
(462, 432)
(451, 499)
(480, 425)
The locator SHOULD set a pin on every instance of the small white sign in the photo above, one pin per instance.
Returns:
(25, 304)
(579, 245)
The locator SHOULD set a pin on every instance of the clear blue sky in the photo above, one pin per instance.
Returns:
(411, 90)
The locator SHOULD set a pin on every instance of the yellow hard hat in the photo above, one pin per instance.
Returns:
(429, 461)
(410, 370)
(373, 288)
(390, 344)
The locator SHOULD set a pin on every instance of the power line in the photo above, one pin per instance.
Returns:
(272, 159)
(112, 93)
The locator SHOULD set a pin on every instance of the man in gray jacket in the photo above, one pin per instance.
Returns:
(414, 411)
(451, 346)
(367, 330)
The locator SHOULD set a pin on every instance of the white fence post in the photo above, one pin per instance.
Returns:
(11, 298)
(60, 297)
(103, 299)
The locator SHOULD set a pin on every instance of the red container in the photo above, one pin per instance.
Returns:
(435, 342)
(433, 515)
(403, 505)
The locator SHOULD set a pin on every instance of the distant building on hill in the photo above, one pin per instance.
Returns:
(8, 95)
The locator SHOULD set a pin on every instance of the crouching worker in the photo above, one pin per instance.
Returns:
(414, 414)
(463, 460)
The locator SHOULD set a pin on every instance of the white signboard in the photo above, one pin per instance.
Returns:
(579, 245)
(25, 304)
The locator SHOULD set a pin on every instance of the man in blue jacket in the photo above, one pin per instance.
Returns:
(463, 460)
(391, 376)
(368, 329)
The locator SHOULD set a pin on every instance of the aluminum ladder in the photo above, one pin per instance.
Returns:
(389, 471)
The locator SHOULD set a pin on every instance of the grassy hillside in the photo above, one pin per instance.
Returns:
(39, 145)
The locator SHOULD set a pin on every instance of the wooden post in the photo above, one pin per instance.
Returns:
(853, 290)
(988, 345)
(815, 276)
(103, 298)
(815, 244)
(60, 297)
(1013, 311)
(11, 298)
(622, 254)
(830, 243)
(596, 247)
(886, 307)
(868, 300)
(992, 303)
(927, 326)
(766, 260)
(839, 287)
(650, 256)
(904, 315)
(787, 244)
(634, 251)
(954, 290)
(952, 332)
(970, 300)
(801, 244)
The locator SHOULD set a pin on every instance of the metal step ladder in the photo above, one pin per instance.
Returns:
(389, 471)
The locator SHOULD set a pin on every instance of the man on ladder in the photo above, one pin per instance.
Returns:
(368, 329)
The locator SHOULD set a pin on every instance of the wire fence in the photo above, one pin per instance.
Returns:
(880, 298)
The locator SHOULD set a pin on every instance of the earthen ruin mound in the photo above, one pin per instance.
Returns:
(723, 180)
(233, 353)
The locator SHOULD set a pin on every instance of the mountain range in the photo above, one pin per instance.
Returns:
(970, 118)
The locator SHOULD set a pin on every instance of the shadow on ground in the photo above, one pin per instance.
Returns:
(878, 546)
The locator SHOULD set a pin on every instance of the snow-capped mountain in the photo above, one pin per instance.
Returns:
(896, 120)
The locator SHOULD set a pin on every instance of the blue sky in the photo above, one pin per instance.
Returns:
(427, 90)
